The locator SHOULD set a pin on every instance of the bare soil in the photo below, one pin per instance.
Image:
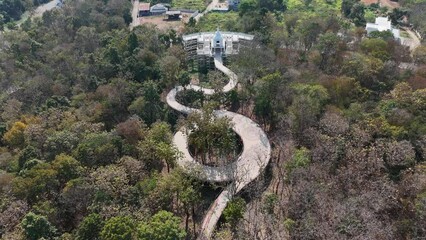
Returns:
(163, 24)
(383, 3)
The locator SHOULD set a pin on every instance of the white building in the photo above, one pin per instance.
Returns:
(382, 24)
(210, 43)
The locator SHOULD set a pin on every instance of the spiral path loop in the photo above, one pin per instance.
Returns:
(254, 158)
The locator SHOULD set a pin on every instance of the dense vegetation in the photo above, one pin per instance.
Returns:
(86, 138)
(11, 10)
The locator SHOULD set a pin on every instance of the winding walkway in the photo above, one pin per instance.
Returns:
(252, 161)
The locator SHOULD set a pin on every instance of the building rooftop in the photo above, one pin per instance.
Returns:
(382, 24)
(173, 12)
(158, 7)
(144, 6)
(210, 42)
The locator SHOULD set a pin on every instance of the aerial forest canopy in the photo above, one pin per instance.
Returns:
(86, 136)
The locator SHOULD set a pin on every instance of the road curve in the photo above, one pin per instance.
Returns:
(253, 159)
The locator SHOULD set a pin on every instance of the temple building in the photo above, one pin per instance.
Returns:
(204, 45)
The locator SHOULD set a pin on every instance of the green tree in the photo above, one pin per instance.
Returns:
(364, 69)
(60, 142)
(37, 183)
(14, 137)
(419, 54)
(268, 97)
(234, 211)
(177, 191)
(343, 91)
(157, 146)
(170, 69)
(385, 35)
(162, 226)
(328, 45)
(376, 47)
(369, 16)
(28, 153)
(357, 14)
(347, 6)
(37, 227)
(308, 31)
(273, 5)
(211, 136)
(118, 228)
(98, 149)
(152, 108)
(247, 6)
(300, 158)
(397, 15)
(90, 227)
(67, 168)
(308, 102)
(132, 42)
(184, 78)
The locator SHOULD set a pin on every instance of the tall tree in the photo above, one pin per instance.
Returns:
(162, 226)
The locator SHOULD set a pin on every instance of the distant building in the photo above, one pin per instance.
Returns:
(173, 15)
(144, 9)
(382, 24)
(158, 9)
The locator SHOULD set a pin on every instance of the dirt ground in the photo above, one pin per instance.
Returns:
(383, 3)
(162, 23)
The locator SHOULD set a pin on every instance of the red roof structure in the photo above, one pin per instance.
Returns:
(144, 6)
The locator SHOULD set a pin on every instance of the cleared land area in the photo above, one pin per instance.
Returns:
(383, 3)
(199, 5)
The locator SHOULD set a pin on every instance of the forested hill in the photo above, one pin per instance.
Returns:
(86, 136)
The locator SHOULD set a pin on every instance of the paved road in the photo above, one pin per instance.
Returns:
(413, 42)
(255, 156)
(38, 12)
(135, 20)
(212, 5)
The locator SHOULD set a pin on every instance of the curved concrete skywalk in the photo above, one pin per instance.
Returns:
(253, 159)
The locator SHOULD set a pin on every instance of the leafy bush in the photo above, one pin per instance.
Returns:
(36, 227)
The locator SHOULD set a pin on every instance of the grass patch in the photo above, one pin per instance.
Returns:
(199, 5)
(314, 5)
(404, 34)
(225, 21)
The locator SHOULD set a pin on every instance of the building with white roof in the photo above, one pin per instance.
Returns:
(204, 45)
(382, 24)
(158, 9)
(209, 43)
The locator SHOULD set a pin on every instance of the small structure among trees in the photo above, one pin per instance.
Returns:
(173, 15)
(158, 9)
(383, 24)
(144, 9)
